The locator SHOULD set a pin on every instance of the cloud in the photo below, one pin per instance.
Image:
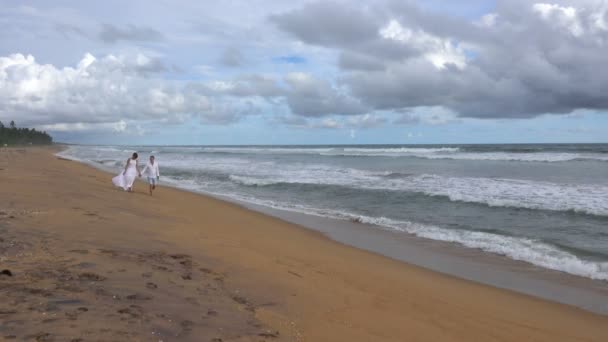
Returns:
(304, 94)
(118, 126)
(427, 115)
(356, 61)
(564, 16)
(95, 92)
(329, 24)
(313, 97)
(112, 34)
(332, 26)
(232, 57)
(245, 85)
(366, 121)
(69, 31)
(355, 122)
(309, 123)
(523, 60)
(440, 52)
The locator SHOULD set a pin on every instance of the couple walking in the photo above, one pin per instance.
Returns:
(126, 178)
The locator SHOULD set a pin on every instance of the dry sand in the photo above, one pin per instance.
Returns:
(90, 262)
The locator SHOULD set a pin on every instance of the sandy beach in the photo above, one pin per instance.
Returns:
(84, 261)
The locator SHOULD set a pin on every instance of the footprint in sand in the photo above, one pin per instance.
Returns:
(151, 285)
(138, 296)
(89, 276)
(134, 311)
(179, 256)
(41, 337)
(186, 325)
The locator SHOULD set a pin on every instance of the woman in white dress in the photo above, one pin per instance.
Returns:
(126, 178)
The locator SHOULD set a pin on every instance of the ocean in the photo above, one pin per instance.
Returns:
(543, 204)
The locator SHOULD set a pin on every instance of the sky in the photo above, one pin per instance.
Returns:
(306, 72)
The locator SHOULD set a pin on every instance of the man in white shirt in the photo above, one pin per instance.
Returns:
(151, 172)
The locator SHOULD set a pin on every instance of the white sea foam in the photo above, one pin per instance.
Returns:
(532, 251)
(583, 198)
(523, 157)
(330, 151)
(251, 181)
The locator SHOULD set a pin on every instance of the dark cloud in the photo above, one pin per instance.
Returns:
(356, 61)
(112, 34)
(524, 60)
(328, 24)
(312, 97)
(150, 66)
(232, 57)
(344, 27)
(258, 85)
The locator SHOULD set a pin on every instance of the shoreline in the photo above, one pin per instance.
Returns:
(291, 282)
(440, 256)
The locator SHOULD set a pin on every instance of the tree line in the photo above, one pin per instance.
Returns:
(12, 135)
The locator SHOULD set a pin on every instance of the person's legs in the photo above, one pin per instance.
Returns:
(152, 183)
(130, 182)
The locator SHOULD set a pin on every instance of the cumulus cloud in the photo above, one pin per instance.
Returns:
(95, 92)
(523, 60)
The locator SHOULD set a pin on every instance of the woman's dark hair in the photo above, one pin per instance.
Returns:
(134, 155)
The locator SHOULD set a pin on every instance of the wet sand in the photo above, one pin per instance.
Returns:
(88, 262)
